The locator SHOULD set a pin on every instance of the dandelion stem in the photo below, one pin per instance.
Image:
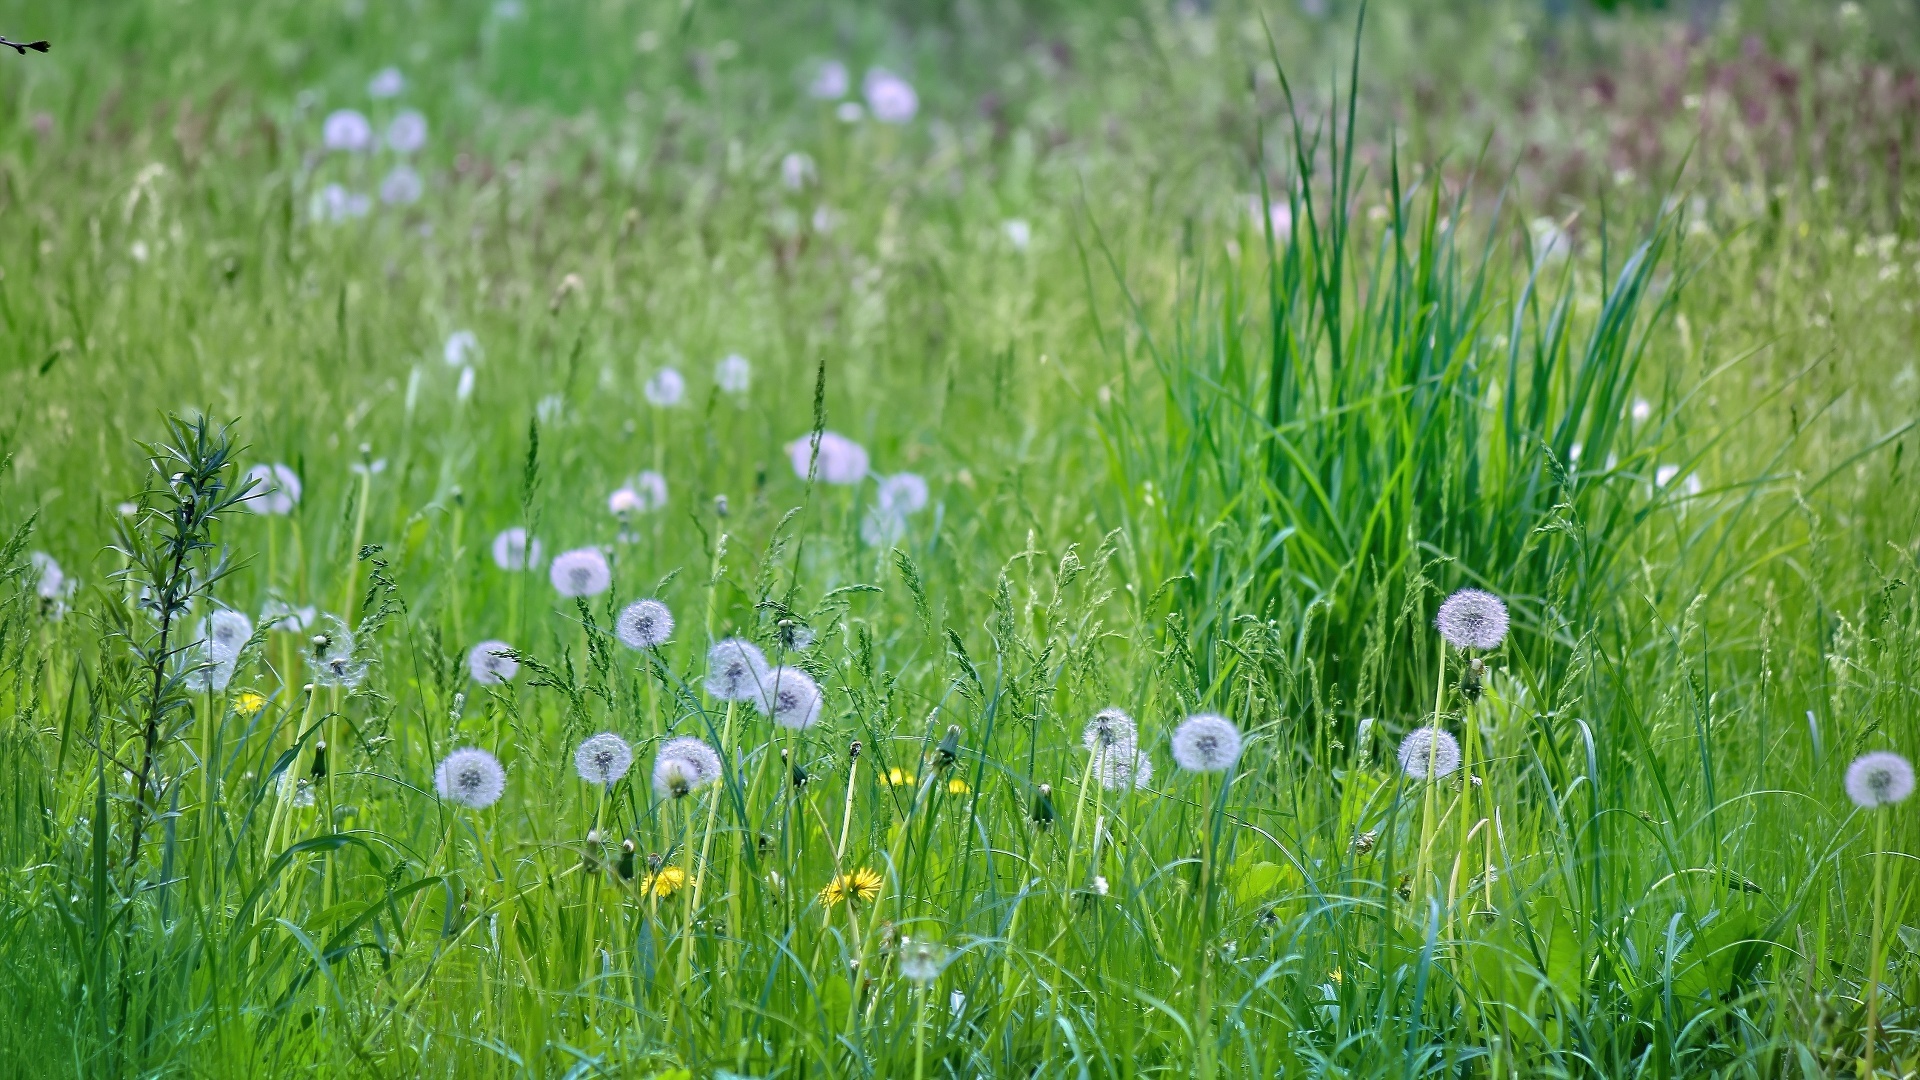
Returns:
(1874, 957)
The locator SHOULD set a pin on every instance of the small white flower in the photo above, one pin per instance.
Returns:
(644, 624)
(402, 187)
(550, 409)
(492, 663)
(891, 97)
(462, 349)
(513, 551)
(470, 777)
(407, 132)
(841, 460)
(1018, 233)
(1206, 743)
(830, 81)
(1099, 885)
(347, 130)
(51, 584)
(665, 388)
(796, 170)
(138, 249)
(276, 491)
(386, 83)
(733, 374)
(1879, 778)
(603, 759)
(580, 572)
(329, 654)
(1429, 753)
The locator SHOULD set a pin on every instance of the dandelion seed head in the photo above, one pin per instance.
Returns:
(462, 348)
(733, 374)
(407, 132)
(402, 187)
(1018, 233)
(1206, 743)
(347, 130)
(334, 204)
(470, 777)
(830, 81)
(329, 654)
(1111, 733)
(665, 387)
(684, 765)
(890, 97)
(881, 528)
(796, 170)
(1429, 753)
(736, 670)
(513, 551)
(1128, 773)
(284, 616)
(603, 759)
(902, 493)
(386, 83)
(492, 663)
(921, 962)
(51, 581)
(644, 624)
(276, 489)
(1472, 619)
(1879, 778)
(793, 635)
(580, 572)
(842, 461)
(464, 389)
(791, 698)
(1641, 411)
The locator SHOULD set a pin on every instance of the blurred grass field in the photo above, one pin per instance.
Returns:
(1225, 350)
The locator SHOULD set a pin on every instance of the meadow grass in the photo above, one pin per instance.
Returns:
(1225, 353)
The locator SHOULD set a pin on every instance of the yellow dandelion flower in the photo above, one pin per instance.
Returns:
(670, 880)
(862, 884)
(898, 777)
(246, 703)
(957, 786)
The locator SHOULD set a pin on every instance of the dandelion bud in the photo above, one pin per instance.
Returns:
(625, 865)
(1042, 813)
(854, 750)
(949, 748)
(720, 505)
(319, 759)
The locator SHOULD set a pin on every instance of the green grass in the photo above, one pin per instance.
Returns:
(1177, 464)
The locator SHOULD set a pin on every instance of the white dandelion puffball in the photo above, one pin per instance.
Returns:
(736, 670)
(334, 204)
(644, 624)
(651, 487)
(470, 777)
(276, 489)
(850, 112)
(733, 374)
(921, 961)
(890, 97)
(1642, 410)
(902, 493)
(284, 616)
(512, 550)
(52, 581)
(492, 663)
(1018, 233)
(882, 528)
(603, 759)
(1120, 774)
(407, 132)
(1429, 753)
(1277, 215)
(580, 572)
(225, 632)
(329, 654)
(1206, 743)
(830, 81)
(462, 348)
(665, 388)
(386, 83)
(1472, 619)
(1879, 778)
(402, 187)
(842, 461)
(796, 170)
(683, 766)
(1110, 734)
(347, 130)
(1664, 474)
(791, 698)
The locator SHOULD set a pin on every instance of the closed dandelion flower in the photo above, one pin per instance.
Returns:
(492, 663)
(791, 698)
(665, 882)
(1880, 778)
(890, 97)
(841, 460)
(861, 885)
(921, 962)
(1206, 743)
(1429, 753)
(402, 187)
(644, 624)
(902, 493)
(347, 130)
(386, 83)
(683, 766)
(830, 81)
(462, 348)
(512, 550)
(276, 489)
(603, 759)
(665, 388)
(733, 374)
(1472, 619)
(407, 132)
(470, 777)
(736, 670)
(580, 572)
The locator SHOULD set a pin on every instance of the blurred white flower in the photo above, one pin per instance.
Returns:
(1018, 233)
(470, 777)
(1664, 475)
(1206, 742)
(407, 132)
(1550, 242)
(492, 663)
(665, 388)
(644, 624)
(902, 493)
(643, 494)
(138, 249)
(580, 572)
(796, 170)
(333, 204)
(513, 551)
(402, 187)
(830, 81)
(347, 130)
(276, 491)
(550, 408)
(733, 374)
(849, 112)
(603, 759)
(842, 461)
(1277, 215)
(889, 96)
(386, 83)
(461, 348)
(1641, 410)
(882, 528)
(281, 615)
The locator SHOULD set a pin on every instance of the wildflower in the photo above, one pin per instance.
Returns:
(407, 132)
(402, 187)
(736, 669)
(791, 698)
(862, 885)
(1206, 743)
(512, 550)
(470, 777)
(643, 494)
(644, 624)
(830, 81)
(580, 572)
(247, 702)
(1364, 842)
(330, 654)
(1879, 778)
(898, 777)
(386, 83)
(665, 388)
(840, 459)
(733, 374)
(281, 615)
(1472, 619)
(492, 663)
(222, 634)
(683, 766)
(665, 881)
(1018, 233)
(462, 349)
(52, 586)
(603, 759)
(796, 170)
(902, 493)
(347, 130)
(889, 96)
(921, 961)
(1429, 753)
(276, 489)
(1099, 887)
